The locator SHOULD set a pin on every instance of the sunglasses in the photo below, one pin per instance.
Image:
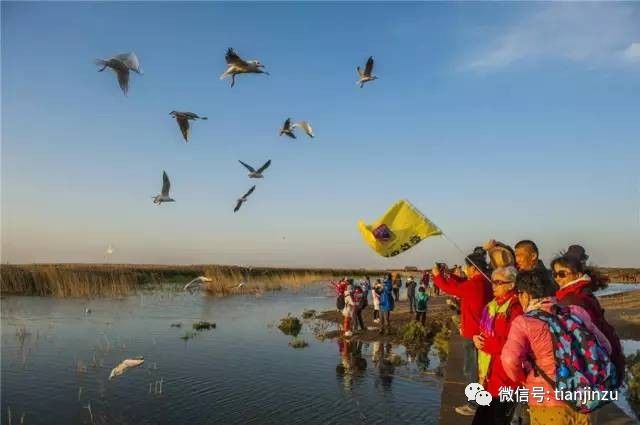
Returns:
(500, 282)
(561, 274)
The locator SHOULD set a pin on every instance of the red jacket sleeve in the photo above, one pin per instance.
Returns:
(451, 286)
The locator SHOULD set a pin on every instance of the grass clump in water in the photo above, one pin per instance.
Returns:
(633, 378)
(188, 335)
(308, 314)
(414, 334)
(290, 325)
(176, 325)
(298, 343)
(202, 325)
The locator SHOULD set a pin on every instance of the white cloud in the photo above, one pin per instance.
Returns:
(593, 33)
(632, 52)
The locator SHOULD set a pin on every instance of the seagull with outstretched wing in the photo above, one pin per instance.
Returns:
(287, 129)
(183, 122)
(236, 65)
(305, 126)
(253, 173)
(121, 65)
(365, 76)
(164, 195)
(244, 198)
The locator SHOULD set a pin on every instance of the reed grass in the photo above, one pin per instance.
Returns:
(117, 280)
(298, 343)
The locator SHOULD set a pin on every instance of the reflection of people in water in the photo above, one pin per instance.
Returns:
(352, 363)
(383, 364)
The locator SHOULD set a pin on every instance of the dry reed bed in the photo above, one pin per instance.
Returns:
(92, 280)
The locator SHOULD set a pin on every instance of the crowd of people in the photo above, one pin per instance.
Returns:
(525, 328)
(530, 329)
(353, 299)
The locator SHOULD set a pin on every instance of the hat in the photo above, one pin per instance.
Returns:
(505, 274)
(501, 256)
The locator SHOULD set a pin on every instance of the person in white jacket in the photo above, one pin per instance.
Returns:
(347, 311)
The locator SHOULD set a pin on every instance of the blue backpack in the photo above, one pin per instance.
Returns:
(581, 362)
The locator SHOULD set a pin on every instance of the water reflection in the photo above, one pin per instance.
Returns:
(352, 365)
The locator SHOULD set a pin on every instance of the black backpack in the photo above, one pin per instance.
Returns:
(340, 302)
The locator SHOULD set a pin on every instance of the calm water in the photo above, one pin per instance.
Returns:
(56, 360)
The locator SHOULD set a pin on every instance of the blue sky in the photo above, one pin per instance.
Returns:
(498, 120)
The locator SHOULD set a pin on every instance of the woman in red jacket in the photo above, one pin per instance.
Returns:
(495, 323)
(474, 293)
(577, 284)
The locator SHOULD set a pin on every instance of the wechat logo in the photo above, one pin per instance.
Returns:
(475, 392)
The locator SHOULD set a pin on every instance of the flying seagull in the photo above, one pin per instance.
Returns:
(366, 76)
(121, 65)
(183, 121)
(306, 126)
(256, 174)
(236, 65)
(286, 129)
(164, 195)
(244, 198)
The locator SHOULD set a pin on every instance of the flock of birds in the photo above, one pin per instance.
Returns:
(123, 64)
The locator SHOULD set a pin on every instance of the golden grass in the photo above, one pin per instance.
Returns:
(94, 280)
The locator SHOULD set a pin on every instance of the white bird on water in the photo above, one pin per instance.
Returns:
(196, 283)
(126, 364)
(365, 76)
(183, 121)
(256, 174)
(164, 195)
(109, 250)
(244, 198)
(121, 65)
(236, 65)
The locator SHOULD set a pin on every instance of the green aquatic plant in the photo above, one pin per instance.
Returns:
(290, 325)
(188, 335)
(298, 343)
(413, 334)
(308, 314)
(632, 377)
(176, 325)
(441, 343)
(203, 325)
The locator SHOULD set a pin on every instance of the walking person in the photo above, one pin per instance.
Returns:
(424, 282)
(411, 292)
(421, 306)
(474, 293)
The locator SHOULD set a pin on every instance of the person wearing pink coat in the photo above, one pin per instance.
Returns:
(530, 339)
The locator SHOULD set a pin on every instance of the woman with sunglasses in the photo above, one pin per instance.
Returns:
(495, 323)
(577, 284)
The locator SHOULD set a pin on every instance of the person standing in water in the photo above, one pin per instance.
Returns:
(386, 305)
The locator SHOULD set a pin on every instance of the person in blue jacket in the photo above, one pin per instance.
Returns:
(386, 304)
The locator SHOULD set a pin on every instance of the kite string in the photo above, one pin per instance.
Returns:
(465, 256)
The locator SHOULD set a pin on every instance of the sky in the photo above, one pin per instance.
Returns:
(497, 120)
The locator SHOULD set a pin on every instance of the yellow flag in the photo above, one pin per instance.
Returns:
(400, 228)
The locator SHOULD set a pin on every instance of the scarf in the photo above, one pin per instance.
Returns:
(499, 305)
